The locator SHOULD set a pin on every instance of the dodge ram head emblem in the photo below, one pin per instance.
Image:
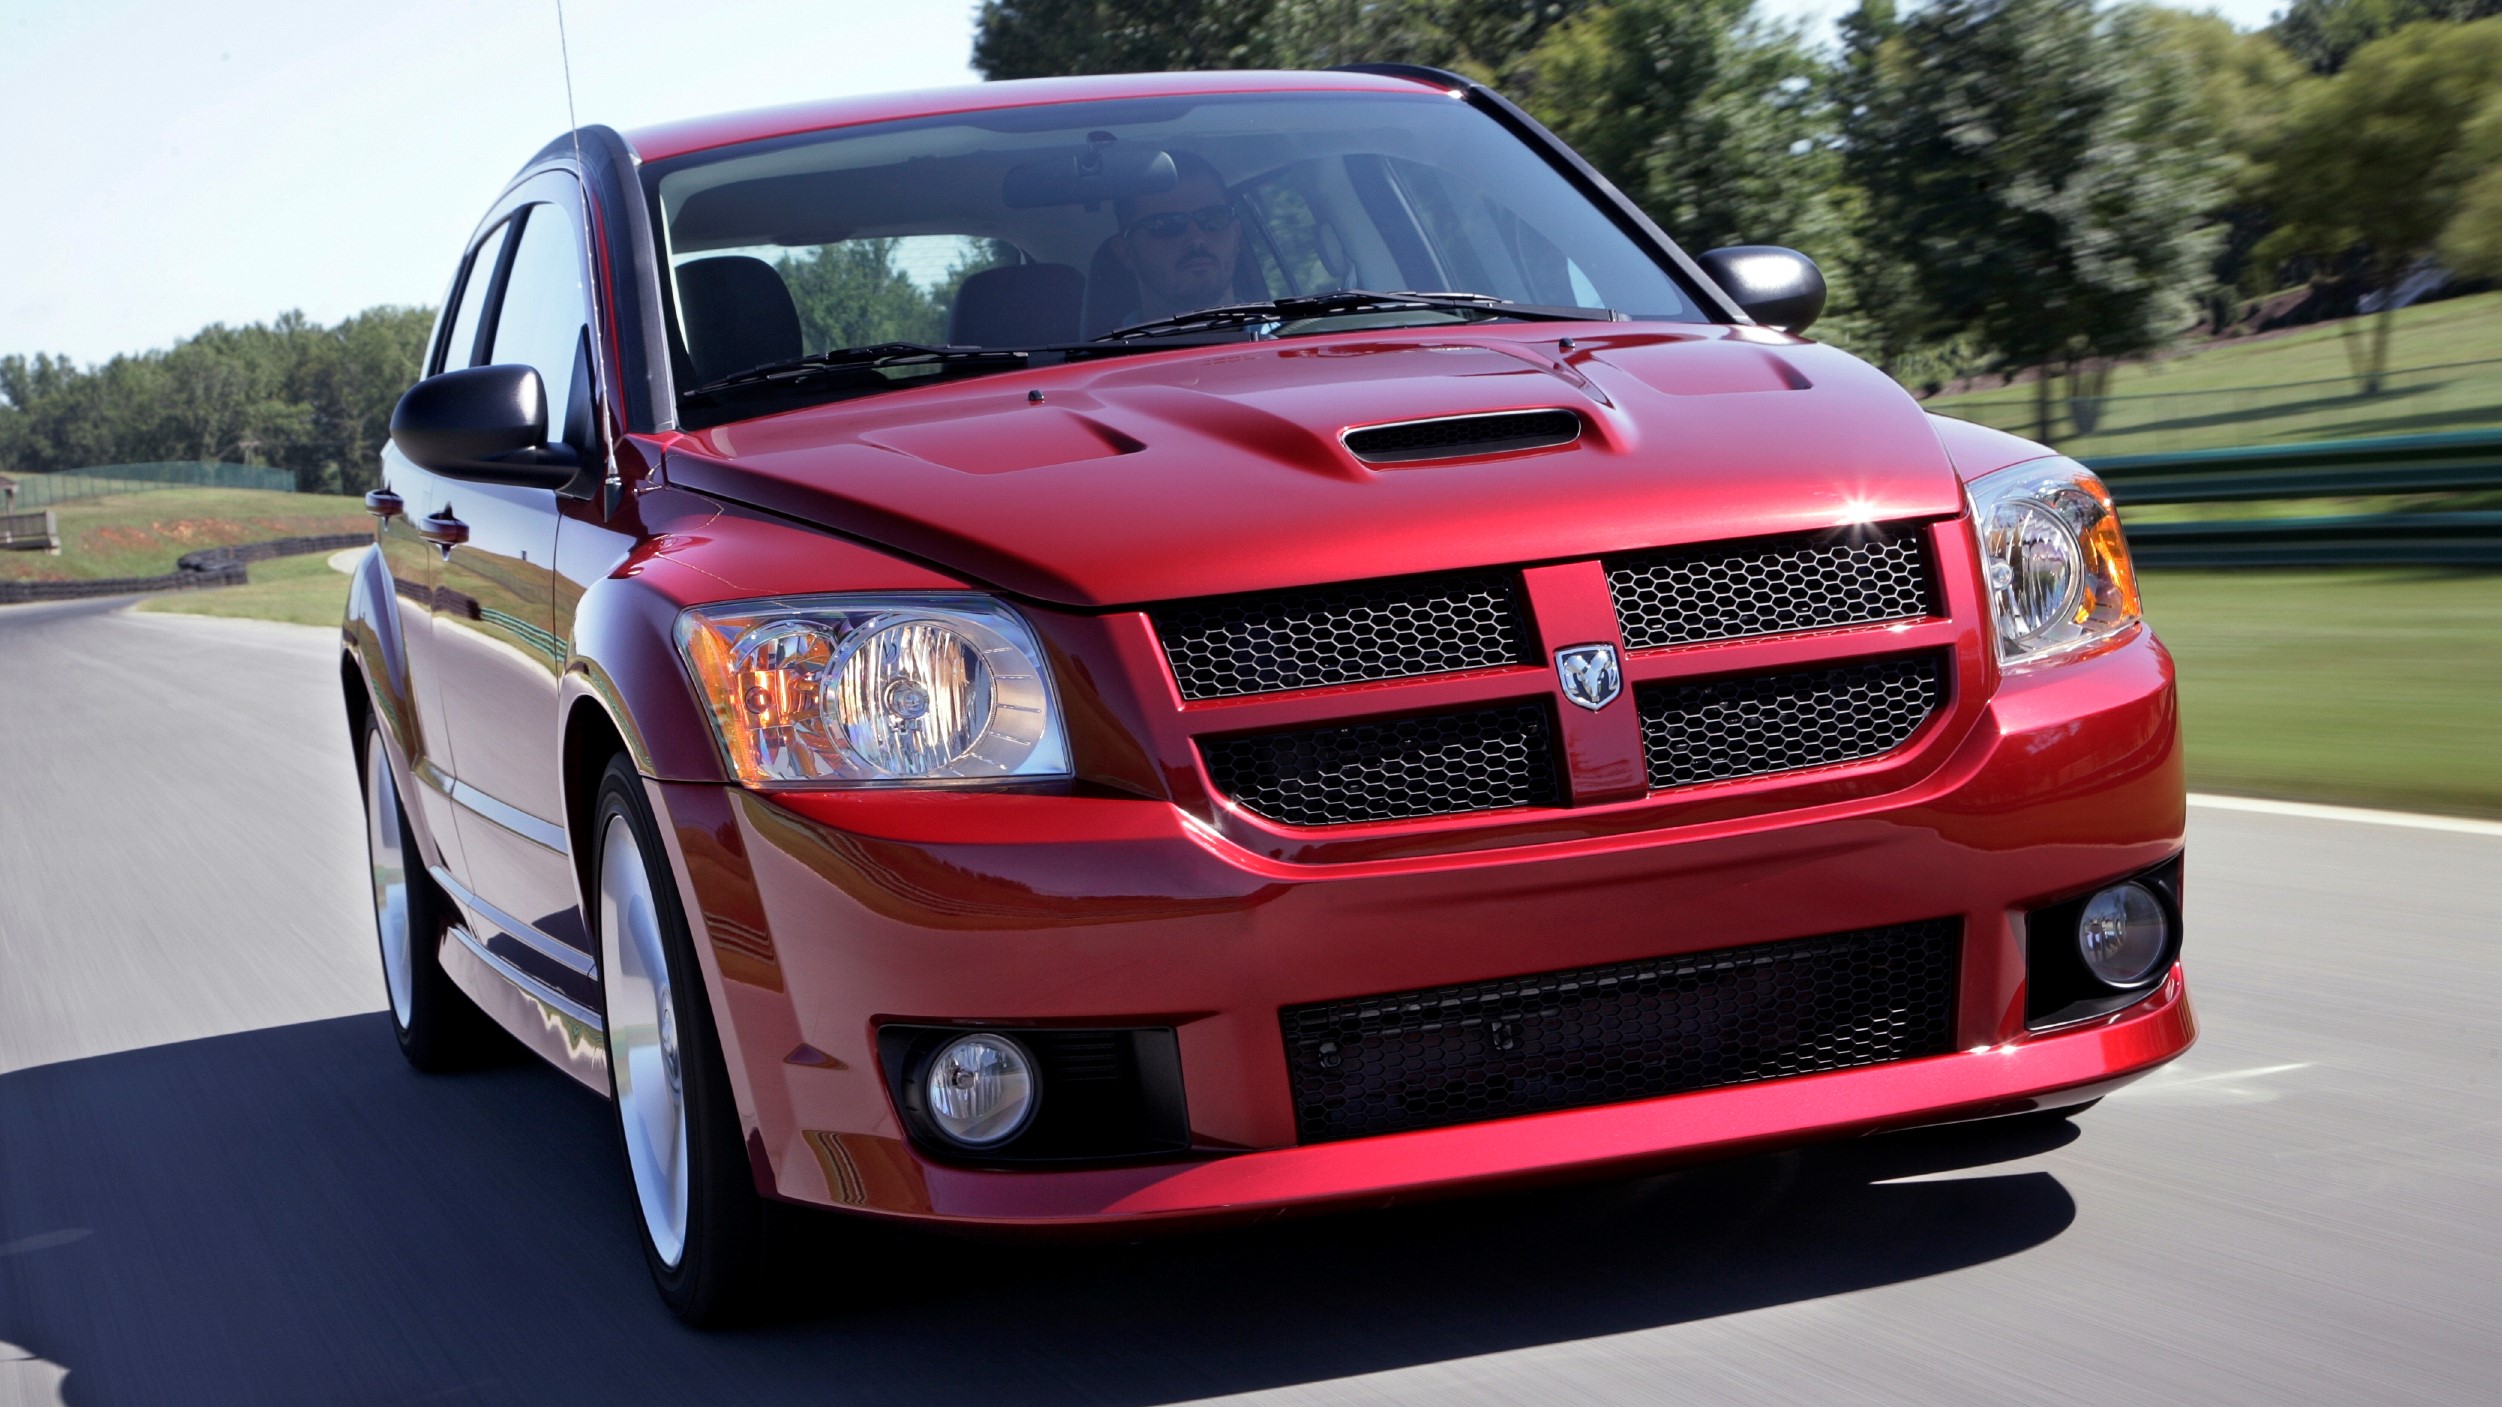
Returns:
(1589, 674)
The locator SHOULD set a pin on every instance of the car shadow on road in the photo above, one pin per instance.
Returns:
(291, 1215)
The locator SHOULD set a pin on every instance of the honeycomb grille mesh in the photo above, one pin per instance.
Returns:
(1721, 729)
(1730, 591)
(1392, 769)
(1599, 1035)
(1350, 634)
(1463, 435)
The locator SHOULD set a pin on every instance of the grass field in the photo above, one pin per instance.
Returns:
(2376, 688)
(2445, 362)
(302, 590)
(140, 534)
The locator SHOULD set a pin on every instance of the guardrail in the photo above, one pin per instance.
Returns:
(2410, 464)
(207, 568)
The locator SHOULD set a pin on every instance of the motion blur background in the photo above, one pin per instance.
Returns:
(2243, 261)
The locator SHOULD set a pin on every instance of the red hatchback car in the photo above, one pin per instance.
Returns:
(1187, 646)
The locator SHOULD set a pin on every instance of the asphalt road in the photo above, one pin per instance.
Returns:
(219, 1184)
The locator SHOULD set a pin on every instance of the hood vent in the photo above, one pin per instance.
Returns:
(1458, 436)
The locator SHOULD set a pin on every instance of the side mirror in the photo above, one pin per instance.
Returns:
(1780, 288)
(485, 424)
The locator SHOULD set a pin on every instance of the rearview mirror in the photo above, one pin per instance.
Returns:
(1090, 175)
(1780, 288)
(485, 424)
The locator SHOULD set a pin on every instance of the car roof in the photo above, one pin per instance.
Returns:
(673, 139)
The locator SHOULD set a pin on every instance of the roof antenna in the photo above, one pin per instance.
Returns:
(611, 486)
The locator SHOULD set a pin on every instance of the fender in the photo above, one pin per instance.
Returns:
(624, 677)
(370, 643)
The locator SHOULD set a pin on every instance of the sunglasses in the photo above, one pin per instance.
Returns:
(1171, 225)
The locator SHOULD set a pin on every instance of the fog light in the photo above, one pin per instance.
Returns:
(981, 1090)
(2122, 935)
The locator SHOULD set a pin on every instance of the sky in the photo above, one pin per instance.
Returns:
(167, 164)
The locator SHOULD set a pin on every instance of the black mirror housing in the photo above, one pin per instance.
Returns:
(1780, 288)
(485, 424)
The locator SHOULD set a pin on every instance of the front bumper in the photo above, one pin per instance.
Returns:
(820, 917)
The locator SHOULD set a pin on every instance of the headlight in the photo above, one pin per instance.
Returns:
(863, 690)
(2052, 557)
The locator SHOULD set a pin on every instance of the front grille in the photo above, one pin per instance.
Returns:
(1729, 591)
(1392, 769)
(1600, 1035)
(1458, 435)
(1721, 729)
(1362, 631)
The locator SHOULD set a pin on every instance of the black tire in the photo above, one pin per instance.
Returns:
(441, 1029)
(715, 1278)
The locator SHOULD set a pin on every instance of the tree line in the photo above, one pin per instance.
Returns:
(290, 393)
(1991, 186)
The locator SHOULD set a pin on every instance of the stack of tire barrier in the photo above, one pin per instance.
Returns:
(194, 571)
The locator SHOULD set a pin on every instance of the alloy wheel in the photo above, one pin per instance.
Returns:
(389, 856)
(643, 1039)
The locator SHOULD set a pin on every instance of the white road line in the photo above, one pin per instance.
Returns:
(2409, 820)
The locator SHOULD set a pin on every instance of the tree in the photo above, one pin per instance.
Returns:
(2039, 168)
(2375, 163)
(1046, 38)
(290, 393)
(2243, 87)
(851, 295)
(2324, 34)
(1043, 38)
(2472, 243)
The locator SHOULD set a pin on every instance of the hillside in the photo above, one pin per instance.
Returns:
(2445, 373)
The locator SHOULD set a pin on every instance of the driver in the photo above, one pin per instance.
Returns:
(1181, 243)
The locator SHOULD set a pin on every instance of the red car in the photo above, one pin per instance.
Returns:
(1188, 646)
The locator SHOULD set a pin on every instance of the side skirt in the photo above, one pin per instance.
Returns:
(556, 1028)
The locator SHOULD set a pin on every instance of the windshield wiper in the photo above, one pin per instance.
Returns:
(1354, 300)
(876, 356)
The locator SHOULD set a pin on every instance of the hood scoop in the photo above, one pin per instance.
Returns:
(1461, 436)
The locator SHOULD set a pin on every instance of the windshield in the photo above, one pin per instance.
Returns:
(1052, 225)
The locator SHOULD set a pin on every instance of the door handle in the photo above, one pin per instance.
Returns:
(383, 503)
(443, 530)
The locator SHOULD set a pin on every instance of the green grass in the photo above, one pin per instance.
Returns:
(2374, 688)
(2283, 388)
(300, 590)
(140, 534)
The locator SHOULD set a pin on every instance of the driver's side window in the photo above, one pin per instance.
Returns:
(543, 317)
(477, 284)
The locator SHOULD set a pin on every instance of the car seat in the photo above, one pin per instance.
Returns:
(737, 313)
(1017, 305)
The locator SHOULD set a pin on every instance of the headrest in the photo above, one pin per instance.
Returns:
(737, 313)
(1017, 305)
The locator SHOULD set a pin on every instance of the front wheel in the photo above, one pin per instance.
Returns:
(701, 1215)
(438, 1027)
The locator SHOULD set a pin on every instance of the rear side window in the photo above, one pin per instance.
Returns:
(1481, 243)
(1298, 250)
(477, 281)
(544, 312)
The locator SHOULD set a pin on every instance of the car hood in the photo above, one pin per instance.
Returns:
(1214, 470)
